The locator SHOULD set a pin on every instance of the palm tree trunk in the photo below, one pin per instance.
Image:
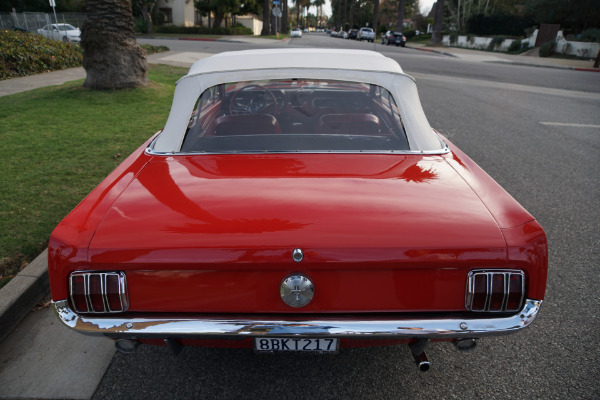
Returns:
(436, 36)
(111, 56)
(266, 12)
(400, 22)
(375, 17)
(284, 17)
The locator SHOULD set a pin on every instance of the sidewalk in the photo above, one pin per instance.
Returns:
(527, 59)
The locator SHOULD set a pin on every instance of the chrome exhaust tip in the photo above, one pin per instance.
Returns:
(465, 344)
(126, 346)
(417, 349)
(422, 362)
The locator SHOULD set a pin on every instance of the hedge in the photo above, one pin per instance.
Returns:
(203, 30)
(24, 53)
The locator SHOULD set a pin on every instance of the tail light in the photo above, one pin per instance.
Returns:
(98, 292)
(495, 290)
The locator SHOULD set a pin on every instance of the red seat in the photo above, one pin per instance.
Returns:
(348, 124)
(246, 124)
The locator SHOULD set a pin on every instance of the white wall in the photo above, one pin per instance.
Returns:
(563, 46)
(251, 22)
(478, 42)
(581, 49)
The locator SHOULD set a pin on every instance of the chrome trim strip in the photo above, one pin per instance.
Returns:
(446, 150)
(228, 326)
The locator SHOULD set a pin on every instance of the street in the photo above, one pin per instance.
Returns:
(505, 117)
(534, 130)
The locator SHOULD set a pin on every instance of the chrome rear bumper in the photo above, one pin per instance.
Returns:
(362, 326)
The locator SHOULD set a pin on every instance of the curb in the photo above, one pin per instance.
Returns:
(531, 65)
(510, 62)
(432, 51)
(587, 69)
(198, 39)
(23, 292)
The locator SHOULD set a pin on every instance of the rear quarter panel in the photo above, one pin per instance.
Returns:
(526, 242)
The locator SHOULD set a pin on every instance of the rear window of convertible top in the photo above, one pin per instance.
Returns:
(295, 115)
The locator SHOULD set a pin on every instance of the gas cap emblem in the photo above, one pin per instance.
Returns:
(297, 290)
(298, 255)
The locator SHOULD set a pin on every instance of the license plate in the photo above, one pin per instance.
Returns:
(320, 345)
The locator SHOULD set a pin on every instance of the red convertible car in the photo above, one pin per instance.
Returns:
(298, 201)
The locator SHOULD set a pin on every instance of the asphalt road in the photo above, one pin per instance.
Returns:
(537, 132)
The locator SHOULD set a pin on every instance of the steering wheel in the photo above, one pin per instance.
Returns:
(260, 103)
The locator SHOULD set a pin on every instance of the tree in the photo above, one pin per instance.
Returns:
(284, 17)
(298, 3)
(436, 36)
(111, 56)
(375, 16)
(265, 14)
(220, 8)
(575, 15)
(400, 21)
(147, 7)
(319, 5)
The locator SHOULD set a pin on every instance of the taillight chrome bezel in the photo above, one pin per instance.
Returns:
(104, 277)
(492, 276)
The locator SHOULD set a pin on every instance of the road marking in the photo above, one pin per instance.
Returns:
(453, 81)
(570, 125)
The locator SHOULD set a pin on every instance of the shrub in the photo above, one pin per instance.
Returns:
(547, 49)
(471, 39)
(140, 26)
(24, 53)
(590, 35)
(496, 42)
(204, 30)
(515, 46)
(151, 49)
(584, 53)
(453, 37)
(409, 33)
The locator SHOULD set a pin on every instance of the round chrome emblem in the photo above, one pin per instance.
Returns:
(296, 290)
(298, 255)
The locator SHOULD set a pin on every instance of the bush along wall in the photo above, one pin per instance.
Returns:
(204, 30)
(24, 53)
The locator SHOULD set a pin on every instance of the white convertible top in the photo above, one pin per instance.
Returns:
(362, 60)
(304, 63)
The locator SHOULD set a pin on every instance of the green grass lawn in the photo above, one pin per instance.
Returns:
(57, 144)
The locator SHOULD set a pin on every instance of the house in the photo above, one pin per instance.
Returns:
(183, 13)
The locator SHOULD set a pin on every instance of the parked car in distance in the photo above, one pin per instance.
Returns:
(297, 200)
(393, 37)
(342, 35)
(333, 33)
(64, 32)
(352, 34)
(366, 34)
(296, 33)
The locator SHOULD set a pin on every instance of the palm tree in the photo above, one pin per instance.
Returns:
(298, 3)
(319, 5)
(111, 56)
(400, 23)
(266, 14)
(375, 17)
(436, 36)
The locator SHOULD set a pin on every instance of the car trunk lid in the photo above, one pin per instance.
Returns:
(215, 233)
